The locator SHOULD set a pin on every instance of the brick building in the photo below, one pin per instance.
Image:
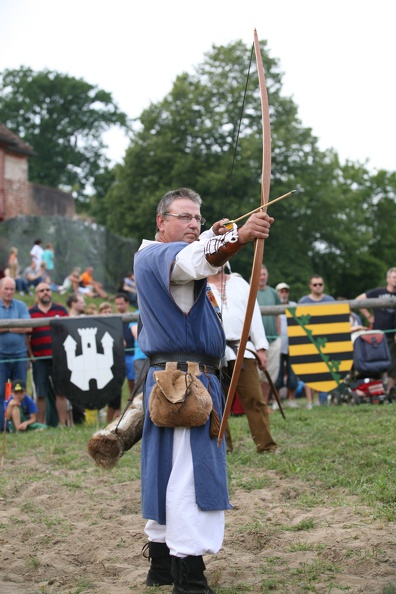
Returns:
(17, 195)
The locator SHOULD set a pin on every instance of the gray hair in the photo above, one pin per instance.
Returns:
(390, 272)
(166, 201)
(7, 278)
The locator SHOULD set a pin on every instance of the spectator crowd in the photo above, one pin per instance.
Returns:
(267, 352)
(29, 349)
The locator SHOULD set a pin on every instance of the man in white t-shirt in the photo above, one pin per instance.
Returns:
(231, 292)
(37, 253)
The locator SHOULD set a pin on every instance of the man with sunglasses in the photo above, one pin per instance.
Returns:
(317, 294)
(184, 472)
(267, 296)
(40, 349)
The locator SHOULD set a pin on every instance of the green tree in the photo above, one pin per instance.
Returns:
(63, 118)
(188, 139)
(97, 206)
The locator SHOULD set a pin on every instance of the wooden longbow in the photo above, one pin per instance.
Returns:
(259, 243)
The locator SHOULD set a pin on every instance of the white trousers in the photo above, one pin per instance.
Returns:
(188, 530)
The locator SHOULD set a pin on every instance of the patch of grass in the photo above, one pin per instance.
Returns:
(332, 586)
(250, 482)
(72, 484)
(314, 570)
(33, 562)
(276, 560)
(336, 451)
(301, 546)
(51, 521)
(318, 497)
(254, 527)
(83, 586)
(336, 456)
(270, 586)
(307, 524)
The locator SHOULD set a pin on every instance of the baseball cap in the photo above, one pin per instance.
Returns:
(280, 286)
(18, 386)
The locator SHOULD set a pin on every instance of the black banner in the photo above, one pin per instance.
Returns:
(88, 359)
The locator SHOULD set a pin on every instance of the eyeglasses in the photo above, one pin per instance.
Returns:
(317, 284)
(186, 218)
(44, 290)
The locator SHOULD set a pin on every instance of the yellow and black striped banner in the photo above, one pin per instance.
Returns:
(320, 345)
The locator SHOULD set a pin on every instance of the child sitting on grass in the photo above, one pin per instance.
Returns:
(21, 410)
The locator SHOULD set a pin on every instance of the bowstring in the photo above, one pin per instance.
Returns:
(237, 134)
(231, 172)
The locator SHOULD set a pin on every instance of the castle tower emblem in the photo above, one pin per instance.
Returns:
(90, 364)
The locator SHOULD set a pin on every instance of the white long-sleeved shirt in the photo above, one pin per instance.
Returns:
(233, 310)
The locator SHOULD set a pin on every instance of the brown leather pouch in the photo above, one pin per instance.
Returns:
(178, 398)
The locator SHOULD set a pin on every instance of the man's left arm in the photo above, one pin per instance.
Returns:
(257, 331)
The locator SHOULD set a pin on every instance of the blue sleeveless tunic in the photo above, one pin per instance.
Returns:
(166, 328)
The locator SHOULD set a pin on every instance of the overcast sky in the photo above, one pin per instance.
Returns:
(338, 56)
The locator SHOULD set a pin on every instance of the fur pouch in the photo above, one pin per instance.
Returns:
(178, 398)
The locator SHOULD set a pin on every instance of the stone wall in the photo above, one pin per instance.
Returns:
(17, 191)
(51, 202)
(20, 197)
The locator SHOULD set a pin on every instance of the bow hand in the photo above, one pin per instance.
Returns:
(256, 227)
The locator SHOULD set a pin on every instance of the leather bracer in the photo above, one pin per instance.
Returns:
(221, 248)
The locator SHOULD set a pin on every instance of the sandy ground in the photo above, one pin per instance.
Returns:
(59, 540)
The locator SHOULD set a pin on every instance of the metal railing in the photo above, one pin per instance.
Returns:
(265, 310)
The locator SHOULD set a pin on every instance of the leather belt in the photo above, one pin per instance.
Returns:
(206, 362)
(234, 345)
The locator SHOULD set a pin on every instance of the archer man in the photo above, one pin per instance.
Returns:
(184, 473)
